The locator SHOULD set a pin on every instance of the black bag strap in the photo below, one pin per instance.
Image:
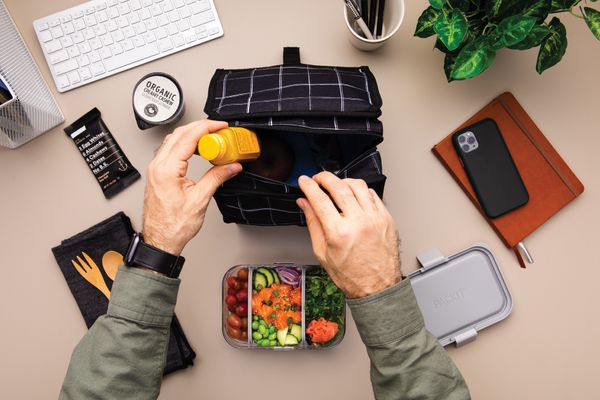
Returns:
(291, 56)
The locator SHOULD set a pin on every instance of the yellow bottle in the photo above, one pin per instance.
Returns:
(229, 145)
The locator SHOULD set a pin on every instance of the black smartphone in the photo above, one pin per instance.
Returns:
(490, 168)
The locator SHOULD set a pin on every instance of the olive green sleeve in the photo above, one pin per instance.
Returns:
(407, 361)
(123, 354)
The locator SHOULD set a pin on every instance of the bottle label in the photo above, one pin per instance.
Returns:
(246, 143)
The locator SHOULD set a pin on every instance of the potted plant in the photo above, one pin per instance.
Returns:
(470, 32)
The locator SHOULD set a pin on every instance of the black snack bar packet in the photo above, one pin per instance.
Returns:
(111, 236)
(104, 156)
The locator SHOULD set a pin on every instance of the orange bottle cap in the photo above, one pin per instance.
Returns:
(211, 146)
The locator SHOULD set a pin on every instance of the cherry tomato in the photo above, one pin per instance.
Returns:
(233, 283)
(242, 310)
(234, 333)
(242, 274)
(230, 300)
(242, 296)
(231, 291)
(244, 335)
(244, 323)
(231, 308)
(234, 321)
(245, 285)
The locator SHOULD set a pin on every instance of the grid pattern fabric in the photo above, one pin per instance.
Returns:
(291, 89)
(34, 111)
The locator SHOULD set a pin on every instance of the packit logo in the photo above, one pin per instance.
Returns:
(450, 298)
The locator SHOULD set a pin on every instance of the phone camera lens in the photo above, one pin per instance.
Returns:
(465, 148)
(471, 140)
(461, 139)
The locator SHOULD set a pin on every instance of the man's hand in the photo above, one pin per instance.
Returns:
(174, 206)
(358, 245)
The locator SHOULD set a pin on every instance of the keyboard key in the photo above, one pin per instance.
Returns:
(146, 3)
(172, 29)
(197, 8)
(79, 24)
(84, 47)
(45, 36)
(73, 51)
(74, 77)
(111, 25)
(138, 41)
(132, 56)
(167, 6)
(95, 43)
(183, 25)
(54, 22)
(133, 18)
(102, 17)
(56, 32)
(105, 53)
(112, 3)
(113, 13)
(63, 81)
(173, 16)
(124, 8)
(144, 14)
(89, 11)
(68, 28)
(116, 48)
(162, 20)
(66, 41)
(155, 10)
(149, 37)
(77, 14)
(178, 40)
(95, 57)
(89, 34)
(165, 45)
(184, 12)
(77, 37)
(189, 36)
(161, 33)
(53, 46)
(139, 28)
(213, 31)
(65, 66)
(43, 26)
(201, 19)
(118, 36)
(201, 32)
(83, 60)
(65, 18)
(135, 5)
(178, 3)
(58, 56)
(151, 24)
(99, 30)
(122, 22)
(101, 6)
(90, 20)
(107, 40)
(97, 69)
(85, 73)
(128, 45)
(128, 32)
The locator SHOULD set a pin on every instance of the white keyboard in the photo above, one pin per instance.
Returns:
(103, 37)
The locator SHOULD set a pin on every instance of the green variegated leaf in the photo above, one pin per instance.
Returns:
(516, 28)
(451, 29)
(449, 62)
(437, 4)
(539, 9)
(504, 8)
(561, 5)
(535, 37)
(592, 19)
(460, 4)
(553, 47)
(426, 22)
(473, 59)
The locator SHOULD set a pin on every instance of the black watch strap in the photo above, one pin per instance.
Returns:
(140, 254)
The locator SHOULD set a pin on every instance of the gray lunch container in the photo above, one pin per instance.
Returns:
(461, 294)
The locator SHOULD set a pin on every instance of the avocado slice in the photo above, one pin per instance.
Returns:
(268, 274)
(282, 335)
(260, 281)
(296, 330)
(291, 340)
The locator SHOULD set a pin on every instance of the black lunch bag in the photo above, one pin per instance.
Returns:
(334, 110)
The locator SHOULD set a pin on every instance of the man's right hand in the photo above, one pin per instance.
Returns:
(357, 245)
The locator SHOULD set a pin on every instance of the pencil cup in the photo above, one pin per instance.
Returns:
(392, 19)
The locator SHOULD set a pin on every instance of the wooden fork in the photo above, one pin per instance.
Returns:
(91, 273)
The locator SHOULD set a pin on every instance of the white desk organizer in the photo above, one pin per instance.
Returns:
(33, 111)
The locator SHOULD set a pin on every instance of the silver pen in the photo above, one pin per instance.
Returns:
(353, 9)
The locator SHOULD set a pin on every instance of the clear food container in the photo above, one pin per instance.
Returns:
(282, 307)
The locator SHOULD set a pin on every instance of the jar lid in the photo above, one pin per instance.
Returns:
(157, 100)
(211, 146)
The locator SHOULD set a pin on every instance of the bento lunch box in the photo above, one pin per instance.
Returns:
(282, 306)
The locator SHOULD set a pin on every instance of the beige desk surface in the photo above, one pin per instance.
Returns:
(547, 349)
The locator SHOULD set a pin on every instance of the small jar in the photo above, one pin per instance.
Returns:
(229, 145)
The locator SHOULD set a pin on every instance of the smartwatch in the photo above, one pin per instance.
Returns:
(143, 255)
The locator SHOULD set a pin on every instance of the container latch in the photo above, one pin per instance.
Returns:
(431, 258)
(465, 337)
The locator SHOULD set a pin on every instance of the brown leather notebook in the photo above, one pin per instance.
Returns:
(549, 180)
